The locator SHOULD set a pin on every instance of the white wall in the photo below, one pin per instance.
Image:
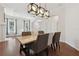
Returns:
(1, 15)
(72, 25)
(2, 25)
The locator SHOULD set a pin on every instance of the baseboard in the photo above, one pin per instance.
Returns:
(62, 41)
(72, 45)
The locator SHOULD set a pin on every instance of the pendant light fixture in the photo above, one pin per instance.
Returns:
(46, 13)
(38, 10)
(32, 8)
(41, 11)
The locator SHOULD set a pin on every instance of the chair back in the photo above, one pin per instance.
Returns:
(56, 37)
(26, 33)
(40, 32)
(42, 42)
(50, 39)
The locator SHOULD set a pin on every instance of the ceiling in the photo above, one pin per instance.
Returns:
(17, 7)
(22, 7)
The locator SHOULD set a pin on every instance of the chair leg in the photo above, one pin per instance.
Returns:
(53, 46)
(47, 51)
(56, 45)
(28, 50)
(59, 46)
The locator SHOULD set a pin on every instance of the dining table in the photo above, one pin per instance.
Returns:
(25, 41)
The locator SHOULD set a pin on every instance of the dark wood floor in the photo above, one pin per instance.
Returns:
(11, 48)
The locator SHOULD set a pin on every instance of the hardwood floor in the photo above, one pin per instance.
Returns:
(11, 48)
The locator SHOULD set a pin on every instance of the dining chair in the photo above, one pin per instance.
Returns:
(40, 32)
(40, 45)
(55, 41)
(24, 47)
(26, 33)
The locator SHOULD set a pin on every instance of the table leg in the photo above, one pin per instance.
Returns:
(21, 48)
(25, 50)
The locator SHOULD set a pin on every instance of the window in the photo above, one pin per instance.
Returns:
(26, 25)
(11, 26)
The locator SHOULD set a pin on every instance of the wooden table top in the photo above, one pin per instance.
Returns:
(27, 39)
